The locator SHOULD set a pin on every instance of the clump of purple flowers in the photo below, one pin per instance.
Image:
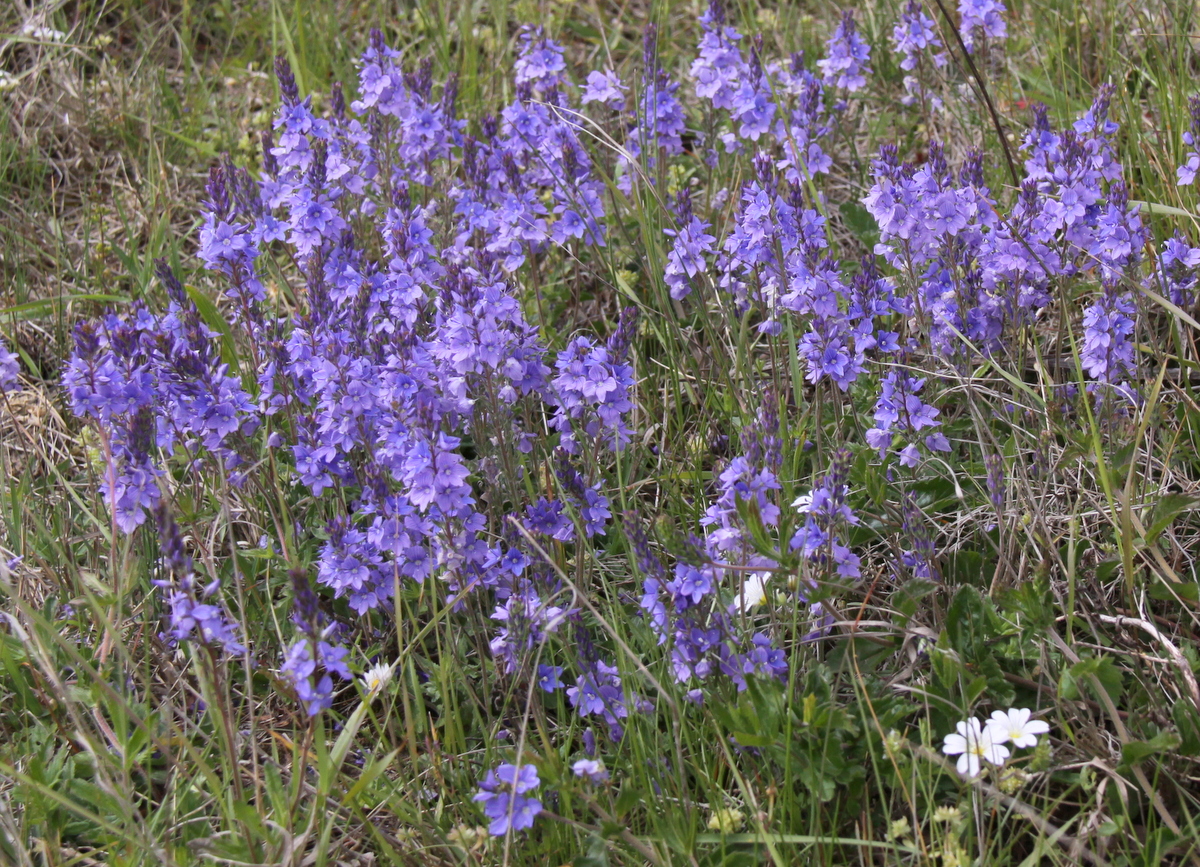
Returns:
(312, 660)
(382, 369)
(846, 62)
(981, 17)
(1107, 351)
(900, 409)
(509, 798)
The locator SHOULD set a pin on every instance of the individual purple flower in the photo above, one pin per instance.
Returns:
(995, 479)
(312, 678)
(592, 395)
(605, 88)
(591, 770)
(351, 566)
(527, 622)
(549, 677)
(846, 63)
(826, 516)
(547, 517)
(509, 798)
(919, 557)
(660, 117)
(593, 507)
(597, 692)
(981, 17)
(311, 660)
(719, 68)
(1177, 272)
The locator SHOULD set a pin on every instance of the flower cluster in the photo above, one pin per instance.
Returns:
(981, 17)
(975, 744)
(196, 612)
(846, 66)
(505, 794)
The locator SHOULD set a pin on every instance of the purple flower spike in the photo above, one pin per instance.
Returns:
(846, 65)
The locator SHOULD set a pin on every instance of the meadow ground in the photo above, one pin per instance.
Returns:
(506, 466)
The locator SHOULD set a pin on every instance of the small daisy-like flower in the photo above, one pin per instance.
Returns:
(375, 679)
(1015, 726)
(754, 590)
(43, 34)
(973, 744)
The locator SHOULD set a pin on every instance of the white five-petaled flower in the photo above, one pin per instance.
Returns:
(974, 744)
(1015, 725)
(754, 590)
(375, 679)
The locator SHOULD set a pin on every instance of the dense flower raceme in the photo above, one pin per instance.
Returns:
(845, 66)
(981, 18)
(196, 612)
(916, 39)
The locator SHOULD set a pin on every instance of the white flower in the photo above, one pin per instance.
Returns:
(375, 679)
(973, 744)
(802, 503)
(43, 34)
(754, 590)
(1015, 725)
(7, 80)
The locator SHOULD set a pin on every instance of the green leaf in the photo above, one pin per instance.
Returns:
(629, 798)
(597, 854)
(213, 319)
(970, 623)
(746, 739)
(48, 306)
(1136, 751)
(370, 773)
(1165, 511)
(1099, 667)
(1188, 591)
(1032, 600)
(859, 220)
